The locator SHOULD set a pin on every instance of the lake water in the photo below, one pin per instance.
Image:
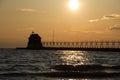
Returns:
(38, 61)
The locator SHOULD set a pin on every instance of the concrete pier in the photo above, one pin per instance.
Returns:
(84, 44)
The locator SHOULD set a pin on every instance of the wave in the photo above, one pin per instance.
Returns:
(65, 74)
(19, 68)
(71, 71)
(85, 67)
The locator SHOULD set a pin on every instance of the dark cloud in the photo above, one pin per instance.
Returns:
(107, 17)
(116, 27)
(112, 16)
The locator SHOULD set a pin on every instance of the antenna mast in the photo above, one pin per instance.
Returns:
(53, 36)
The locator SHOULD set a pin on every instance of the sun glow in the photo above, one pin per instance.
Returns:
(74, 4)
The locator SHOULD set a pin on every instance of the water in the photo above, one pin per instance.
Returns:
(40, 61)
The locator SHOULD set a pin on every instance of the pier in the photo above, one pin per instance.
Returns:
(35, 43)
(83, 45)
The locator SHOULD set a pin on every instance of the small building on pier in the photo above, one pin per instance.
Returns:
(34, 41)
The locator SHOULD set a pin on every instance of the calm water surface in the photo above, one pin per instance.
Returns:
(36, 61)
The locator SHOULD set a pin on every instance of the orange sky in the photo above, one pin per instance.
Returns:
(92, 20)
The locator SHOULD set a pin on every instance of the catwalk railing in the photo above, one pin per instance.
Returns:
(84, 44)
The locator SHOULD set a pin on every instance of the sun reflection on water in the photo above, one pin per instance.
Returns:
(74, 57)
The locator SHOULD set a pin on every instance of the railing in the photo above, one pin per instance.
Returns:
(84, 44)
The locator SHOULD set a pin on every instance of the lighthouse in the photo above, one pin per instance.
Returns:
(34, 41)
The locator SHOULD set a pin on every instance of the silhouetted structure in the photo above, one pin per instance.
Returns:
(34, 41)
(84, 44)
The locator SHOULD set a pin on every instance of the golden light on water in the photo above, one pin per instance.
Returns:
(74, 4)
(74, 57)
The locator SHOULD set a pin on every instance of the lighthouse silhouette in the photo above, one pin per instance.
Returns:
(34, 41)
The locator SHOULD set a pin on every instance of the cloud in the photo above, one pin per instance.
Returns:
(96, 32)
(27, 10)
(107, 17)
(112, 16)
(94, 20)
(85, 31)
(115, 27)
(25, 28)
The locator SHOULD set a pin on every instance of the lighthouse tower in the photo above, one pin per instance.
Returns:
(34, 41)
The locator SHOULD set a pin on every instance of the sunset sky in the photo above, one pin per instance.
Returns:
(70, 20)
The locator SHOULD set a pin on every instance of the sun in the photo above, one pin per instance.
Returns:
(74, 4)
